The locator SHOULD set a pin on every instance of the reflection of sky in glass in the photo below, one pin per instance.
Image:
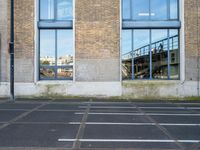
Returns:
(158, 35)
(46, 9)
(173, 32)
(127, 9)
(173, 9)
(64, 9)
(126, 41)
(141, 38)
(159, 9)
(47, 43)
(140, 9)
(65, 43)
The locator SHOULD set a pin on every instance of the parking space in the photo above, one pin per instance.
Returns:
(88, 124)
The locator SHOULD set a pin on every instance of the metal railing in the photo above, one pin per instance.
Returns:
(156, 47)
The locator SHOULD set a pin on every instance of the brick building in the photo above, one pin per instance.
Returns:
(129, 48)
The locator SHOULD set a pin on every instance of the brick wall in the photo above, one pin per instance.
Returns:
(3, 43)
(97, 28)
(24, 40)
(192, 38)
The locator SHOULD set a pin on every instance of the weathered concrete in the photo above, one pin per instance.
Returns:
(97, 70)
(159, 89)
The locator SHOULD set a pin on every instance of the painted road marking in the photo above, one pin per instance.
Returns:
(119, 107)
(134, 124)
(138, 114)
(129, 140)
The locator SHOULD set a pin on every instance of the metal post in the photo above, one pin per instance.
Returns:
(11, 46)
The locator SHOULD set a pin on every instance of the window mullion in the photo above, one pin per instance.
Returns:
(168, 48)
(132, 39)
(56, 49)
(150, 54)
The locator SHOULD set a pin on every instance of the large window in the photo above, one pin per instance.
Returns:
(150, 10)
(150, 54)
(55, 9)
(150, 39)
(56, 40)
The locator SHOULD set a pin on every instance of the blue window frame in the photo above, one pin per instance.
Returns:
(55, 40)
(150, 39)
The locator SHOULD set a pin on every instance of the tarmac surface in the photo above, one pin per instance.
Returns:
(99, 125)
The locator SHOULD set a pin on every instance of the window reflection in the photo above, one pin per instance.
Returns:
(173, 9)
(47, 47)
(126, 6)
(140, 9)
(64, 48)
(158, 9)
(162, 44)
(47, 73)
(174, 54)
(64, 9)
(141, 54)
(146, 10)
(159, 54)
(46, 9)
(56, 43)
(127, 54)
(56, 9)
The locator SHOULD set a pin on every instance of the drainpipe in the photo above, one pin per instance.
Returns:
(198, 59)
(11, 46)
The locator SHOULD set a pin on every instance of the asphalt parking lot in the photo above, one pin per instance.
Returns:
(106, 125)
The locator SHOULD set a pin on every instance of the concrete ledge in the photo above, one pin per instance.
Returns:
(128, 89)
(62, 89)
(159, 89)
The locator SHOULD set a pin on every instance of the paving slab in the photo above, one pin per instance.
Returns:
(117, 119)
(177, 119)
(7, 115)
(20, 135)
(123, 132)
(12, 105)
(131, 145)
(61, 107)
(184, 132)
(49, 116)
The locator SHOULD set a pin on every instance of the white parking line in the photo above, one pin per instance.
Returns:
(137, 114)
(129, 140)
(119, 107)
(109, 107)
(133, 124)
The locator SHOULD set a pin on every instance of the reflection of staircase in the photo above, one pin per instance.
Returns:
(141, 58)
(125, 71)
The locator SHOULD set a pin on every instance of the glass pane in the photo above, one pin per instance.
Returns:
(64, 9)
(158, 9)
(46, 9)
(47, 73)
(140, 9)
(141, 54)
(159, 54)
(65, 72)
(126, 54)
(174, 54)
(173, 9)
(64, 47)
(126, 9)
(47, 47)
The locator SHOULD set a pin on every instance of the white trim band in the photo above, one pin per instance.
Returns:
(129, 140)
